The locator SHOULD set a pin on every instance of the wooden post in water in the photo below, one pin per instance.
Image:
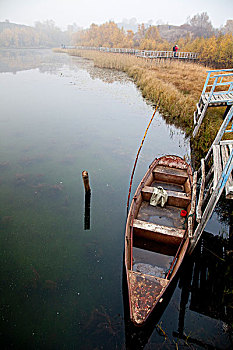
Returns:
(87, 217)
(86, 181)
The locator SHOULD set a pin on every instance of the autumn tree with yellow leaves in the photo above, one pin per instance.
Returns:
(216, 50)
(104, 35)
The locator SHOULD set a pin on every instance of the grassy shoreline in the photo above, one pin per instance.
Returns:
(177, 86)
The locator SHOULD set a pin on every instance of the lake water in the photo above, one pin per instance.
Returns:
(61, 284)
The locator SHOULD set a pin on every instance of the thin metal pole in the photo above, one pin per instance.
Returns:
(135, 163)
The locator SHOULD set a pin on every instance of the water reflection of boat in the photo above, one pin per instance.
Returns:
(156, 237)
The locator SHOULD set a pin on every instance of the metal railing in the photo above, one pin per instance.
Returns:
(167, 54)
(142, 53)
(215, 79)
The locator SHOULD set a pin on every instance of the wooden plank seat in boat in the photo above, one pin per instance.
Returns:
(160, 233)
(177, 199)
(166, 174)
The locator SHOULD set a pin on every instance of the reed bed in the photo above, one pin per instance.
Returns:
(177, 86)
(187, 77)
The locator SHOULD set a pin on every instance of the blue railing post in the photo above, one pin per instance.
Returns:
(226, 172)
(206, 82)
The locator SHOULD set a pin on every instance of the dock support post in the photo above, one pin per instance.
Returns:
(226, 120)
(217, 191)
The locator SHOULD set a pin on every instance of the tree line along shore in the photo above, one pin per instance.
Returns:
(214, 47)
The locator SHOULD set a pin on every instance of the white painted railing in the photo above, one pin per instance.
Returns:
(141, 53)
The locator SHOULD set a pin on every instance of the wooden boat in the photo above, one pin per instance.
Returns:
(156, 237)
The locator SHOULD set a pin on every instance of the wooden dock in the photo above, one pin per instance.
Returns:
(149, 54)
(218, 100)
(215, 174)
(221, 154)
(217, 91)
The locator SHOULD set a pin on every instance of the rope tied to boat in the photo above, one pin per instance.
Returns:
(136, 159)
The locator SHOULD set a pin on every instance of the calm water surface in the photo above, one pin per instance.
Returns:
(61, 285)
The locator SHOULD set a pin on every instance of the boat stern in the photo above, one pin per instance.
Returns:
(145, 292)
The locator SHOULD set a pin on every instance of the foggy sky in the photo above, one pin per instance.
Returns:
(85, 12)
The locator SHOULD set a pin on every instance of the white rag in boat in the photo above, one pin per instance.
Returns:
(159, 196)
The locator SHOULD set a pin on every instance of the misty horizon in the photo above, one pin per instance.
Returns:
(125, 22)
(65, 13)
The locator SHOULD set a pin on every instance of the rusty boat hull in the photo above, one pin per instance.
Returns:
(156, 237)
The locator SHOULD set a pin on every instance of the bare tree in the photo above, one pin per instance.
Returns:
(228, 28)
(200, 25)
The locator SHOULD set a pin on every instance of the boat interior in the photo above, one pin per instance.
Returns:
(158, 231)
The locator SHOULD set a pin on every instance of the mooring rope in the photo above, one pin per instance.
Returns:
(135, 163)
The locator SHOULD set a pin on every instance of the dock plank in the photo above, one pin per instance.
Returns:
(201, 193)
(225, 157)
(217, 164)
